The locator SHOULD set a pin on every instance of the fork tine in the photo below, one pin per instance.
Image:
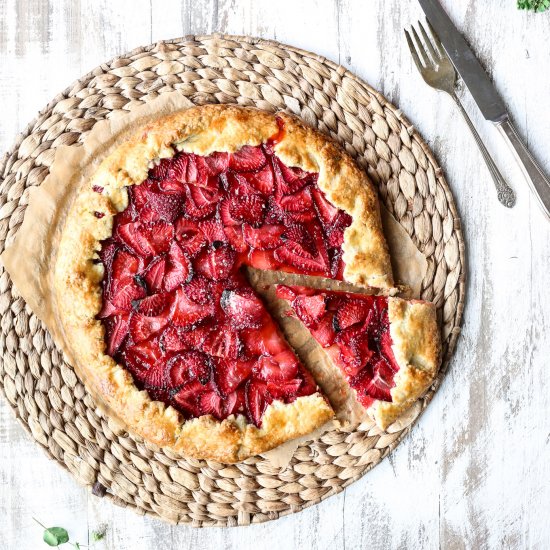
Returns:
(428, 43)
(420, 48)
(438, 44)
(414, 54)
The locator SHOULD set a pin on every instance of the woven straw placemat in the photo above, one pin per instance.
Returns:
(43, 390)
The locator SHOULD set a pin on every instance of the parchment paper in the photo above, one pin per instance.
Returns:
(31, 258)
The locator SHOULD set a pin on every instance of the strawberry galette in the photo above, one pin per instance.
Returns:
(162, 323)
(387, 349)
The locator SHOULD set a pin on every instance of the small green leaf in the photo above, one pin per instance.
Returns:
(98, 535)
(54, 536)
(535, 5)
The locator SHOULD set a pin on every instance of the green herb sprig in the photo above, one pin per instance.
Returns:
(55, 536)
(534, 5)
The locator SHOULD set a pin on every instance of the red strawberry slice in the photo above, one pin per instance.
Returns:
(159, 235)
(155, 305)
(325, 333)
(187, 366)
(262, 180)
(199, 290)
(326, 210)
(211, 403)
(154, 376)
(376, 383)
(247, 158)
(143, 327)
(108, 309)
(238, 186)
(172, 341)
(138, 196)
(343, 220)
(142, 356)
(185, 312)
(147, 239)
(386, 349)
(247, 208)
(123, 297)
(154, 274)
(285, 390)
(352, 312)
(262, 259)
(217, 163)
(263, 341)
(231, 373)
(124, 267)
(201, 201)
(298, 233)
(283, 366)
(106, 255)
(292, 254)
(188, 399)
(179, 270)
(337, 265)
(235, 403)
(310, 309)
(203, 174)
(354, 349)
(215, 262)
(213, 231)
(196, 336)
(189, 236)
(146, 215)
(285, 293)
(116, 329)
(257, 401)
(160, 170)
(297, 202)
(171, 186)
(185, 168)
(289, 180)
(223, 342)
(235, 238)
(225, 214)
(335, 238)
(124, 292)
(244, 309)
(168, 207)
(265, 237)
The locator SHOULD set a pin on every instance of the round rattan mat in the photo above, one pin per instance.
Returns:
(43, 390)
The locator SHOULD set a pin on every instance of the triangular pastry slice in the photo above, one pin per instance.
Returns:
(387, 349)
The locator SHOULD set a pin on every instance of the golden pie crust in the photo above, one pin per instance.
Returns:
(77, 278)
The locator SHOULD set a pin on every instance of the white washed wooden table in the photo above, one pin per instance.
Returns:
(475, 471)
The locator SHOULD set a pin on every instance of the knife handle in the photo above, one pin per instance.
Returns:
(540, 186)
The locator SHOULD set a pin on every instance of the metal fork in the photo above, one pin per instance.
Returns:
(438, 72)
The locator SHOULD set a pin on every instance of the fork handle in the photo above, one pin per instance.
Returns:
(540, 186)
(505, 194)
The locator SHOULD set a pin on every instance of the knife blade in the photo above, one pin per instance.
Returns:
(466, 63)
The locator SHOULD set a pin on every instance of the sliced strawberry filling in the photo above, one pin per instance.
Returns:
(354, 329)
(178, 313)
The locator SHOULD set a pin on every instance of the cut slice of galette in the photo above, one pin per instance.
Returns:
(160, 321)
(387, 349)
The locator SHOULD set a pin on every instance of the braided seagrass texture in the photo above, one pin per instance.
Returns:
(44, 391)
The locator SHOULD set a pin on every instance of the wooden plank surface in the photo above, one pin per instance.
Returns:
(475, 471)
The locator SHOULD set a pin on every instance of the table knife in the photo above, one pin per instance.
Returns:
(486, 97)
